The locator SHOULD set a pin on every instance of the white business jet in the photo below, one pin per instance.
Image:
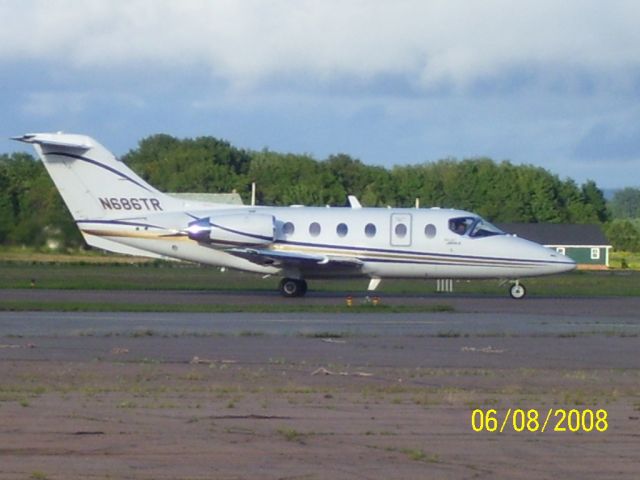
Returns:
(116, 210)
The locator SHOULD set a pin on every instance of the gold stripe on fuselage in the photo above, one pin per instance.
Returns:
(146, 235)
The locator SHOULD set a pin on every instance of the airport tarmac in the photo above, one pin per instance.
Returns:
(309, 395)
(573, 306)
(481, 315)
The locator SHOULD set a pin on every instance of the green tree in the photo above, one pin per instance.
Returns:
(203, 164)
(31, 209)
(626, 203)
(623, 236)
(593, 196)
(7, 216)
(293, 179)
(370, 184)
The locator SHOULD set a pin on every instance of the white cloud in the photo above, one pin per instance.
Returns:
(546, 82)
(448, 42)
(56, 104)
(50, 104)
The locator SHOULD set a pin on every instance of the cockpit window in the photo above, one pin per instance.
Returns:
(482, 228)
(461, 225)
(474, 227)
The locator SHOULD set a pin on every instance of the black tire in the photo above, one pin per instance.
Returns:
(292, 287)
(517, 291)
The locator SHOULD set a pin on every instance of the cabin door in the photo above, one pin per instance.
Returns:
(401, 229)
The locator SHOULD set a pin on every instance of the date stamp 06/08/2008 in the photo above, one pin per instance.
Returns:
(535, 420)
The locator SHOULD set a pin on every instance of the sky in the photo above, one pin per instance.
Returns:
(548, 83)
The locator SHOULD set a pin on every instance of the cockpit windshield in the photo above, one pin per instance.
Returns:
(474, 227)
(482, 228)
(461, 225)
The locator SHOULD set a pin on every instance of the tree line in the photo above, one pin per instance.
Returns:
(624, 229)
(32, 212)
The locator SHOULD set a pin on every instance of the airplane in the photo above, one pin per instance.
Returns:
(116, 210)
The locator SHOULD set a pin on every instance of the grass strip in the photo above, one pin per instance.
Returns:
(189, 277)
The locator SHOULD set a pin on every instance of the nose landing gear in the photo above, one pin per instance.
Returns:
(517, 290)
(293, 287)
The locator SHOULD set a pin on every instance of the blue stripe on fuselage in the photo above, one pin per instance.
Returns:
(418, 253)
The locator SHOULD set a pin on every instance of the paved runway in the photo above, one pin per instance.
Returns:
(472, 316)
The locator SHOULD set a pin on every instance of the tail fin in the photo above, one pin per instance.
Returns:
(92, 182)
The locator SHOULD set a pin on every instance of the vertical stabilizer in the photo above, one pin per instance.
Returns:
(92, 181)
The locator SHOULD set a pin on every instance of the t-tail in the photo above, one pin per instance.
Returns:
(93, 183)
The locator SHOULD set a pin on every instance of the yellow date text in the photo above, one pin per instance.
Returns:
(536, 420)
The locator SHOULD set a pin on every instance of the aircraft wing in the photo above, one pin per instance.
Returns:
(300, 260)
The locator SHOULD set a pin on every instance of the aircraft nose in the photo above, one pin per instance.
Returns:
(563, 263)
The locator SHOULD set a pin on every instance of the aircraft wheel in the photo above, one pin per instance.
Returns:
(291, 287)
(517, 291)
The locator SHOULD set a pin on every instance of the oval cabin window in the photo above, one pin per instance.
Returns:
(342, 229)
(314, 229)
(370, 230)
(430, 230)
(401, 230)
(288, 228)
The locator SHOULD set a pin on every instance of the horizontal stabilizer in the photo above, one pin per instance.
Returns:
(76, 142)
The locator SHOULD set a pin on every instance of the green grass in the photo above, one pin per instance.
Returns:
(631, 259)
(291, 435)
(148, 276)
(418, 455)
(37, 475)
(44, 255)
(172, 276)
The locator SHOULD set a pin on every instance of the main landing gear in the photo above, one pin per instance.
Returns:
(293, 287)
(517, 290)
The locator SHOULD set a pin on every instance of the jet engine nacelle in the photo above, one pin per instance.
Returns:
(233, 229)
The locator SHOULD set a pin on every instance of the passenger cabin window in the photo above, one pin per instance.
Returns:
(430, 230)
(401, 230)
(342, 229)
(288, 228)
(370, 230)
(474, 227)
(314, 229)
